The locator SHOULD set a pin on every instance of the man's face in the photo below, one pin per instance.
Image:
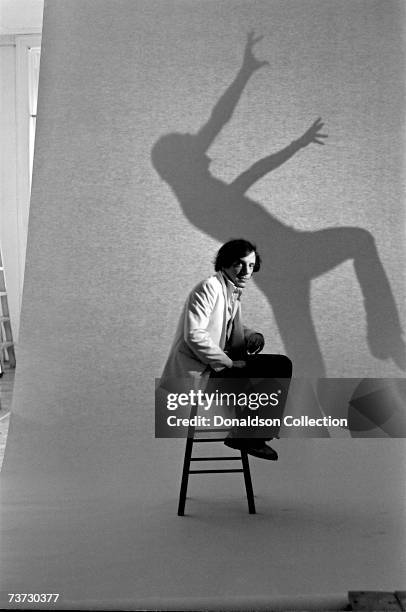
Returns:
(241, 270)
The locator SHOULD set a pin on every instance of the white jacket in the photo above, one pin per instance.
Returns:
(200, 337)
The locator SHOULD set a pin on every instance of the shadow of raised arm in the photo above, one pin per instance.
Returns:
(265, 165)
(223, 110)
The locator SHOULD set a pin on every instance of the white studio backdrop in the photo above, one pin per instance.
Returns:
(113, 250)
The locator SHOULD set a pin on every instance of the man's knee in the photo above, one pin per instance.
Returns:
(284, 365)
(272, 366)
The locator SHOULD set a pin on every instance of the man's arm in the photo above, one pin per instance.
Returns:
(198, 311)
(225, 106)
(265, 165)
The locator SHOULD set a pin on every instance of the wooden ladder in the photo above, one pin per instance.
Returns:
(7, 354)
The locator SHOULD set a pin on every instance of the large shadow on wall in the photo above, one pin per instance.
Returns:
(291, 258)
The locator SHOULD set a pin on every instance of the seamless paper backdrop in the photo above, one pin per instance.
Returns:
(113, 250)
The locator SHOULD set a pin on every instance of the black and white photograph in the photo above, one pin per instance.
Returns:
(202, 290)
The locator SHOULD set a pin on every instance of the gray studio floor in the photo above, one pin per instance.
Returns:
(324, 526)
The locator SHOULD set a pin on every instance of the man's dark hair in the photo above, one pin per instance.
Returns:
(232, 251)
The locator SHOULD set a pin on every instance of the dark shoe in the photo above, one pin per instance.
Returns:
(243, 443)
(234, 443)
(263, 452)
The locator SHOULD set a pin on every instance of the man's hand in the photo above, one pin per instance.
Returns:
(250, 62)
(312, 134)
(255, 343)
(239, 364)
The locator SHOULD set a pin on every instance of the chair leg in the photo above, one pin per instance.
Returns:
(248, 482)
(185, 477)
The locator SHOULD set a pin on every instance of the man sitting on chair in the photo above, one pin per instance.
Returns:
(211, 340)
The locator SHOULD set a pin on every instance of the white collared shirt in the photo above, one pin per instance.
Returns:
(233, 296)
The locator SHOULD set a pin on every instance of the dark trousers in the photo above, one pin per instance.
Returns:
(262, 373)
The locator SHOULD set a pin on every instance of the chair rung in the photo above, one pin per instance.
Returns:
(215, 459)
(211, 429)
(212, 471)
(209, 440)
